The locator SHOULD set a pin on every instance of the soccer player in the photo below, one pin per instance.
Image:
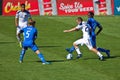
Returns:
(30, 35)
(94, 24)
(21, 20)
(86, 29)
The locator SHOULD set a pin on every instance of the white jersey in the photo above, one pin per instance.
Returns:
(85, 29)
(23, 18)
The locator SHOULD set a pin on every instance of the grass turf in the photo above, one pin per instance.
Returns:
(52, 43)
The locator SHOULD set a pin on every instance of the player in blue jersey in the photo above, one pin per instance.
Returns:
(30, 35)
(94, 24)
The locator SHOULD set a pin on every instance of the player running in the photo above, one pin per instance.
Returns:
(30, 35)
(94, 24)
(21, 21)
(86, 29)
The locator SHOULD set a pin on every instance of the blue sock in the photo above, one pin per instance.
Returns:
(41, 57)
(22, 55)
(101, 50)
(72, 49)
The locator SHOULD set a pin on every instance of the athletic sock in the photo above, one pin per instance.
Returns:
(99, 54)
(72, 49)
(78, 51)
(42, 58)
(101, 49)
(22, 55)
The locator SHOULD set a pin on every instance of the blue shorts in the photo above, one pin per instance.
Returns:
(93, 41)
(32, 47)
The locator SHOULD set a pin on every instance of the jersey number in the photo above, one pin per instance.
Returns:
(27, 34)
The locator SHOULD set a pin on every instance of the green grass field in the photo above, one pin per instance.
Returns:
(52, 43)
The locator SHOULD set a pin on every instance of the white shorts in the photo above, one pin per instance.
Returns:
(18, 29)
(83, 41)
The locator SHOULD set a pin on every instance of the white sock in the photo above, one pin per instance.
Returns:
(78, 51)
(99, 54)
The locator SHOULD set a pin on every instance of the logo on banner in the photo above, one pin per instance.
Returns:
(118, 9)
(76, 7)
(9, 7)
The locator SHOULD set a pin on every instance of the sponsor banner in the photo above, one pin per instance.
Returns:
(117, 7)
(74, 7)
(47, 5)
(10, 7)
(102, 7)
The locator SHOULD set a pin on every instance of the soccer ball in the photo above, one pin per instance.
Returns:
(69, 56)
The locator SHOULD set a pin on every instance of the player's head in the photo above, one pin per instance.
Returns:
(90, 14)
(22, 7)
(32, 23)
(79, 20)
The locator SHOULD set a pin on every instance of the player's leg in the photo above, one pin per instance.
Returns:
(75, 44)
(18, 36)
(89, 45)
(22, 53)
(98, 53)
(40, 55)
(104, 50)
(70, 50)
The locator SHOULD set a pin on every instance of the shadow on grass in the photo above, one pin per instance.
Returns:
(7, 42)
(54, 61)
(48, 46)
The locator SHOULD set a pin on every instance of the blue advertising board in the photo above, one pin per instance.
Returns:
(116, 7)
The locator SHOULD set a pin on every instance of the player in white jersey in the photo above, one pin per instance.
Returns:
(86, 29)
(21, 20)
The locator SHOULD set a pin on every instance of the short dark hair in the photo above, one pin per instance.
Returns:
(23, 4)
(80, 18)
(91, 13)
(32, 22)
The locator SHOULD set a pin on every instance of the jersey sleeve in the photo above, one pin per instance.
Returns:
(79, 27)
(98, 24)
(17, 14)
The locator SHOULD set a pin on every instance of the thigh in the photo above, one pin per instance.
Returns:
(88, 44)
(34, 47)
(79, 41)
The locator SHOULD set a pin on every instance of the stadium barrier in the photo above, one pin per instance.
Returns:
(62, 7)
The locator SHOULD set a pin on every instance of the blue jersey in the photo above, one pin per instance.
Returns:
(30, 34)
(93, 23)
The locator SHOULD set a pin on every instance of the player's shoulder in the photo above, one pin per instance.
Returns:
(18, 11)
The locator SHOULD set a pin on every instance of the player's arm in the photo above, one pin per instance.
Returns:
(71, 30)
(100, 28)
(17, 19)
(16, 22)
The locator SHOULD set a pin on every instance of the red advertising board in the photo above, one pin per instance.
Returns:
(11, 6)
(74, 7)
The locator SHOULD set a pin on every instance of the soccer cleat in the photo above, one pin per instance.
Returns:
(108, 53)
(101, 58)
(20, 61)
(79, 56)
(46, 63)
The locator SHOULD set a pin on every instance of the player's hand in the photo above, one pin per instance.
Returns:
(66, 31)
